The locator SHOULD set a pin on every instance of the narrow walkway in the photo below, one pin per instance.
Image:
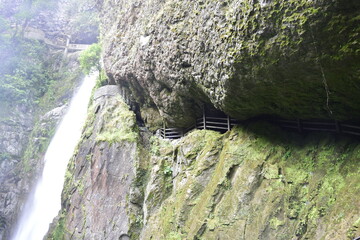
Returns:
(211, 120)
(218, 121)
(319, 125)
(222, 123)
(37, 34)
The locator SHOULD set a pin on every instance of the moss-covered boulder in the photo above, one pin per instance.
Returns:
(254, 183)
(287, 58)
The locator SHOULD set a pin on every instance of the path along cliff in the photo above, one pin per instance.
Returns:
(290, 59)
(253, 182)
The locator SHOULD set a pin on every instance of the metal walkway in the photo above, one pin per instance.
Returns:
(211, 120)
(62, 43)
(219, 121)
(319, 125)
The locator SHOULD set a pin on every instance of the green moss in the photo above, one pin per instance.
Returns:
(60, 230)
(119, 136)
(268, 86)
(120, 124)
(264, 179)
(275, 223)
(174, 236)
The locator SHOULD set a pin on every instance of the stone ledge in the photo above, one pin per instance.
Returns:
(110, 90)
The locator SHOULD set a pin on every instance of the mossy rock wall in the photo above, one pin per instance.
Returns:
(25, 135)
(251, 184)
(100, 197)
(295, 59)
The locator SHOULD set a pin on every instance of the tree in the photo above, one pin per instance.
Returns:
(90, 59)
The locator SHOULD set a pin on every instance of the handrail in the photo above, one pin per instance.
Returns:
(206, 122)
(225, 124)
(213, 121)
(37, 34)
(321, 125)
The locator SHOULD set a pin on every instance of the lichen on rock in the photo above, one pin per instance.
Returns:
(257, 184)
(295, 59)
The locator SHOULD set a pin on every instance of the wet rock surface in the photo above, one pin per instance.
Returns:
(25, 133)
(97, 203)
(253, 184)
(17, 172)
(247, 58)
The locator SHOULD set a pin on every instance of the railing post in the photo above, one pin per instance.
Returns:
(337, 125)
(164, 130)
(299, 125)
(228, 123)
(204, 117)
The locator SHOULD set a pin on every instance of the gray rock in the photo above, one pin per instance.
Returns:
(246, 58)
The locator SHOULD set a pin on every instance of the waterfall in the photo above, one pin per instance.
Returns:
(45, 202)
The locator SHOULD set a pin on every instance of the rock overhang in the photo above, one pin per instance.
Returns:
(294, 60)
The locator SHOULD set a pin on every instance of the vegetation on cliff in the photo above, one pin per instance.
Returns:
(34, 90)
(25, 71)
(254, 182)
(294, 59)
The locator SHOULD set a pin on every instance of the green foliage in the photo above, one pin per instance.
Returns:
(90, 58)
(4, 156)
(101, 80)
(59, 231)
(4, 25)
(24, 72)
(168, 171)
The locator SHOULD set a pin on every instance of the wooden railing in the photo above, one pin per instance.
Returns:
(319, 125)
(37, 34)
(220, 124)
(223, 124)
(216, 123)
(171, 133)
(219, 121)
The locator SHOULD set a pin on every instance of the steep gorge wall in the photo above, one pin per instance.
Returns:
(97, 200)
(295, 59)
(254, 182)
(28, 122)
(25, 135)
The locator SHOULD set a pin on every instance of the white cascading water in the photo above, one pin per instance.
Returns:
(44, 204)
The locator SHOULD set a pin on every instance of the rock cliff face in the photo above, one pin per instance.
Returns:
(248, 184)
(100, 197)
(15, 125)
(254, 182)
(25, 135)
(59, 20)
(295, 59)
(27, 126)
